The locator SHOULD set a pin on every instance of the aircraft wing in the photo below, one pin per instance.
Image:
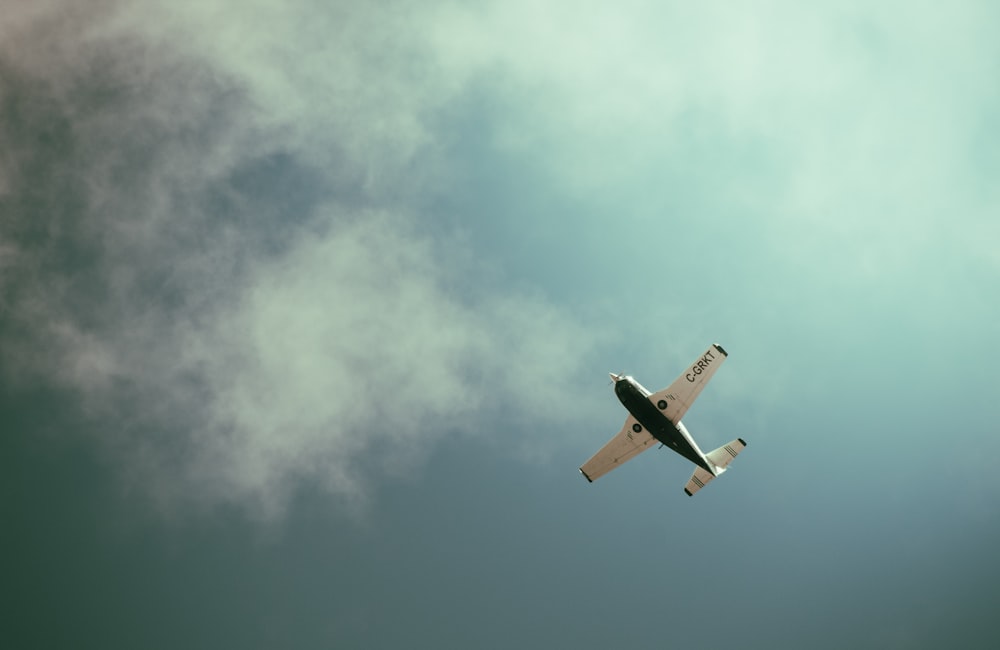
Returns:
(632, 440)
(698, 480)
(677, 398)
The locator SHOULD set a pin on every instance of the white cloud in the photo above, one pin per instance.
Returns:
(842, 133)
(859, 118)
(229, 350)
(354, 344)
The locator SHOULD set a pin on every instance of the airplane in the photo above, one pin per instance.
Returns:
(656, 417)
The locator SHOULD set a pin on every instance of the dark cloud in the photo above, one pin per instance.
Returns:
(226, 309)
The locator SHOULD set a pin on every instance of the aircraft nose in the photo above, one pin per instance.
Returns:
(614, 377)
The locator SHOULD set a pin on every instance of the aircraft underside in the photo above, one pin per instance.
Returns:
(656, 418)
(656, 423)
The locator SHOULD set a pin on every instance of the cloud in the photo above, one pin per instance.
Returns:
(225, 232)
(213, 249)
(355, 343)
(822, 122)
(832, 150)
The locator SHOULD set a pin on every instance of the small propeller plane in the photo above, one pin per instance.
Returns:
(656, 417)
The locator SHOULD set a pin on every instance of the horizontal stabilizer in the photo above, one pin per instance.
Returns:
(725, 454)
(699, 479)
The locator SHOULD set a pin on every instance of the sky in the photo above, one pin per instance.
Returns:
(307, 310)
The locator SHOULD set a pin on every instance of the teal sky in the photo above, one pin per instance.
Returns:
(307, 309)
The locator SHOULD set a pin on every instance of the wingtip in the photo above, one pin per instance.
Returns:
(742, 441)
(721, 349)
(688, 492)
(589, 480)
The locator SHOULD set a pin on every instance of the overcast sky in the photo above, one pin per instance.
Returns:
(307, 310)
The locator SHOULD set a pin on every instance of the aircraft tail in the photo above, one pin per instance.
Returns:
(721, 458)
(698, 480)
(725, 454)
